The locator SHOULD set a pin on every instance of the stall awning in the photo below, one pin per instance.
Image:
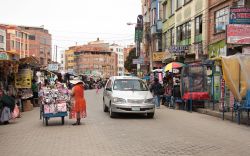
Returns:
(30, 60)
(168, 58)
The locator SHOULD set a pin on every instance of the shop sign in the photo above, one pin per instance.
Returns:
(159, 56)
(138, 34)
(53, 67)
(138, 61)
(239, 15)
(238, 34)
(4, 56)
(178, 49)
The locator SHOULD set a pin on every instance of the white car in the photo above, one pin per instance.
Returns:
(127, 94)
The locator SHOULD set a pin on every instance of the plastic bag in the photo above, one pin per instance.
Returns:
(16, 112)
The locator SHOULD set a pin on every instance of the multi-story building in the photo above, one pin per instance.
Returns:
(70, 59)
(152, 36)
(120, 57)
(26, 41)
(184, 25)
(2, 39)
(17, 41)
(218, 20)
(95, 58)
(40, 44)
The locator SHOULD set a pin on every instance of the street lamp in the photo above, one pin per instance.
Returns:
(138, 36)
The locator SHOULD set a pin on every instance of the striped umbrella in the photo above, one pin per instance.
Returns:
(173, 65)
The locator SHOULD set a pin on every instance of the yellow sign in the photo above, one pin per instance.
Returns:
(23, 78)
(159, 56)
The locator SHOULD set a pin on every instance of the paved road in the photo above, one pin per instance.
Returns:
(170, 133)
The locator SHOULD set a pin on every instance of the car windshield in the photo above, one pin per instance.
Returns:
(130, 84)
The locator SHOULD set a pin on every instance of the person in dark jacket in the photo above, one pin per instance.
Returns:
(7, 104)
(157, 90)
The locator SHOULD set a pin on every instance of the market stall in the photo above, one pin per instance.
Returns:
(194, 86)
(236, 73)
(173, 76)
(9, 98)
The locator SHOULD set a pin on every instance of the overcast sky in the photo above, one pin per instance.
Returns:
(71, 21)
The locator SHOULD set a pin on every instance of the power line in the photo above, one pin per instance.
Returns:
(98, 33)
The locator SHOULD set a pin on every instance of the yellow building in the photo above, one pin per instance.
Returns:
(70, 59)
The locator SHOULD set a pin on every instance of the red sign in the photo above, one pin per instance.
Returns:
(238, 34)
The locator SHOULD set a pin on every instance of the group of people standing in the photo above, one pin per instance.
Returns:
(161, 92)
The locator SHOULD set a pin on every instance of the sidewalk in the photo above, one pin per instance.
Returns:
(227, 115)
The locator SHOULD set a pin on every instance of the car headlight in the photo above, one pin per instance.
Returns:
(151, 100)
(119, 100)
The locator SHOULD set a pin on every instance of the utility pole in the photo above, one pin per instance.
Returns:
(56, 52)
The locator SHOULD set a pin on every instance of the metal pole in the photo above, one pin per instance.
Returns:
(213, 85)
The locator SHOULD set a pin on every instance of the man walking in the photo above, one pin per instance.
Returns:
(157, 90)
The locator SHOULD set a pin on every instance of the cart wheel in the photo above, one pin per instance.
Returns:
(62, 120)
(46, 121)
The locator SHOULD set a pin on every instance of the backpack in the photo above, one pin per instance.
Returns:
(159, 89)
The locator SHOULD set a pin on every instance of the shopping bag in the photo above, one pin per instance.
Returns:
(16, 112)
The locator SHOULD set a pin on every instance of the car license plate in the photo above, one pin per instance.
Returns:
(135, 108)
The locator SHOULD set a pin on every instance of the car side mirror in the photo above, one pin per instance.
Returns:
(108, 89)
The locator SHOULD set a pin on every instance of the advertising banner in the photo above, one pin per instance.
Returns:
(238, 34)
(4, 56)
(23, 78)
(239, 15)
(53, 67)
(159, 56)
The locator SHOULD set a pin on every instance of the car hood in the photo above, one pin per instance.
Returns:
(133, 94)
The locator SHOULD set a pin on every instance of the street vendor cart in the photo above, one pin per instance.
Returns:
(54, 104)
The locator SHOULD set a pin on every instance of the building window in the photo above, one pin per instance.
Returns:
(172, 7)
(198, 29)
(153, 19)
(12, 44)
(179, 4)
(241, 3)
(165, 38)
(1, 39)
(172, 37)
(32, 37)
(221, 20)
(186, 1)
(165, 13)
(179, 35)
(18, 45)
(184, 34)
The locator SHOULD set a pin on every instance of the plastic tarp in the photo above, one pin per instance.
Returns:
(194, 78)
(236, 73)
(194, 82)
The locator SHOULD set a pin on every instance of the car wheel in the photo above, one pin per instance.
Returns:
(105, 108)
(150, 115)
(111, 113)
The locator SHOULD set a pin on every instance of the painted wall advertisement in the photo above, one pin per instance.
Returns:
(23, 78)
(238, 34)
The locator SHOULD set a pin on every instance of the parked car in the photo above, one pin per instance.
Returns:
(127, 94)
